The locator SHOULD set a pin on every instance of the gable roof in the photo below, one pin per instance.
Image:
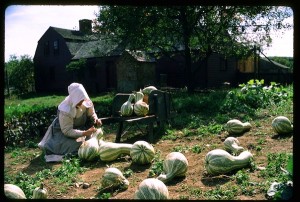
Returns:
(70, 34)
(276, 64)
(99, 48)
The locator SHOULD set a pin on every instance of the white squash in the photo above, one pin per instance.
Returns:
(12, 191)
(151, 189)
(140, 107)
(89, 149)
(232, 145)
(282, 125)
(114, 178)
(219, 161)
(142, 152)
(40, 192)
(235, 126)
(127, 107)
(175, 164)
(110, 151)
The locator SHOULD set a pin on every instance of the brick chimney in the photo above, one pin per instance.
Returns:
(85, 26)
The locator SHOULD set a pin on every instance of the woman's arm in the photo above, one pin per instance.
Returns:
(92, 114)
(66, 124)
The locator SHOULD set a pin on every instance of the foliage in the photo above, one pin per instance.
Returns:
(198, 30)
(287, 61)
(20, 74)
(30, 120)
(65, 173)
(78, 67)
(275, 172)
(254, 94)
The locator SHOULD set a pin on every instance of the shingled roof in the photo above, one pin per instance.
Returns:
(99, 48)
(90, 46)
(70, 34)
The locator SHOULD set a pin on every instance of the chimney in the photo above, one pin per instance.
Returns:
(85, 26)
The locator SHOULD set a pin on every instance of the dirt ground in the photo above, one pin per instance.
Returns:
(196, 177)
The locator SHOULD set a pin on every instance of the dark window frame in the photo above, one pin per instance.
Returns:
(56, 47)
(46, 48)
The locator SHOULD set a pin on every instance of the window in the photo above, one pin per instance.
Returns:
(55, 47)
(46, 48)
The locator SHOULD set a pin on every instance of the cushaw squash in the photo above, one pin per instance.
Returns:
(89, 149)
(219, 161)
(151, 189)
(235, 126)
(282, 125)
(127, 107)
(110, 151)
(146, 91)
(175, 164)
(12, 191)
(114, 178)
(142, 152)
(40, 192)
(232, 145)
(140, 107)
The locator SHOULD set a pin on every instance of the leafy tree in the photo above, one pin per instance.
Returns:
(287, 61)
(197, 30)
(20, 73)
(78, 67)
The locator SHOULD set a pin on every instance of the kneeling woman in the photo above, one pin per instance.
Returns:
(70, 126)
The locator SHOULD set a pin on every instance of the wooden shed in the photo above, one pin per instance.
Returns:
(135, 70)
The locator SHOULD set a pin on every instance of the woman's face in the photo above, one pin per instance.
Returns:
(79, 103)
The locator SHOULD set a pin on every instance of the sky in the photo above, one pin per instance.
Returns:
(25, 25)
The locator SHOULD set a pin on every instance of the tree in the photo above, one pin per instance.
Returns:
(78, 67)
(20, 73)
(197, 30)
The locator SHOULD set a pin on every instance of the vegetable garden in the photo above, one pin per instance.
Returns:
(262, 155)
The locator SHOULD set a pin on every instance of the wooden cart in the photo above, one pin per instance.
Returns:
(160, 111)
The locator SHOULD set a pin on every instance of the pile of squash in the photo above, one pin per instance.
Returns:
(137, 103)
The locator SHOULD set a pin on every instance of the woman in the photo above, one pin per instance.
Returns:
(65, 134)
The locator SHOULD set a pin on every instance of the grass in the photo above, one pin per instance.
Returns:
(201, 116)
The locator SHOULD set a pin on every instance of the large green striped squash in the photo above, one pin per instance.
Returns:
(175, 164)
(232, 145)
(282, 125)
(12, 191)
(114, 178)
(89, 149)
(142, 152)
(140, 107)
(151, 189)
(127, 107)
(110, 151)
(235, 126)
(219, 161)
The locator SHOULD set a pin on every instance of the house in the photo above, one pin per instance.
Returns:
(54, 51)
(104, 57)
(109, 66)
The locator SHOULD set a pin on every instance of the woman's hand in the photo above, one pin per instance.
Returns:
(98, 122)
(90, 131)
